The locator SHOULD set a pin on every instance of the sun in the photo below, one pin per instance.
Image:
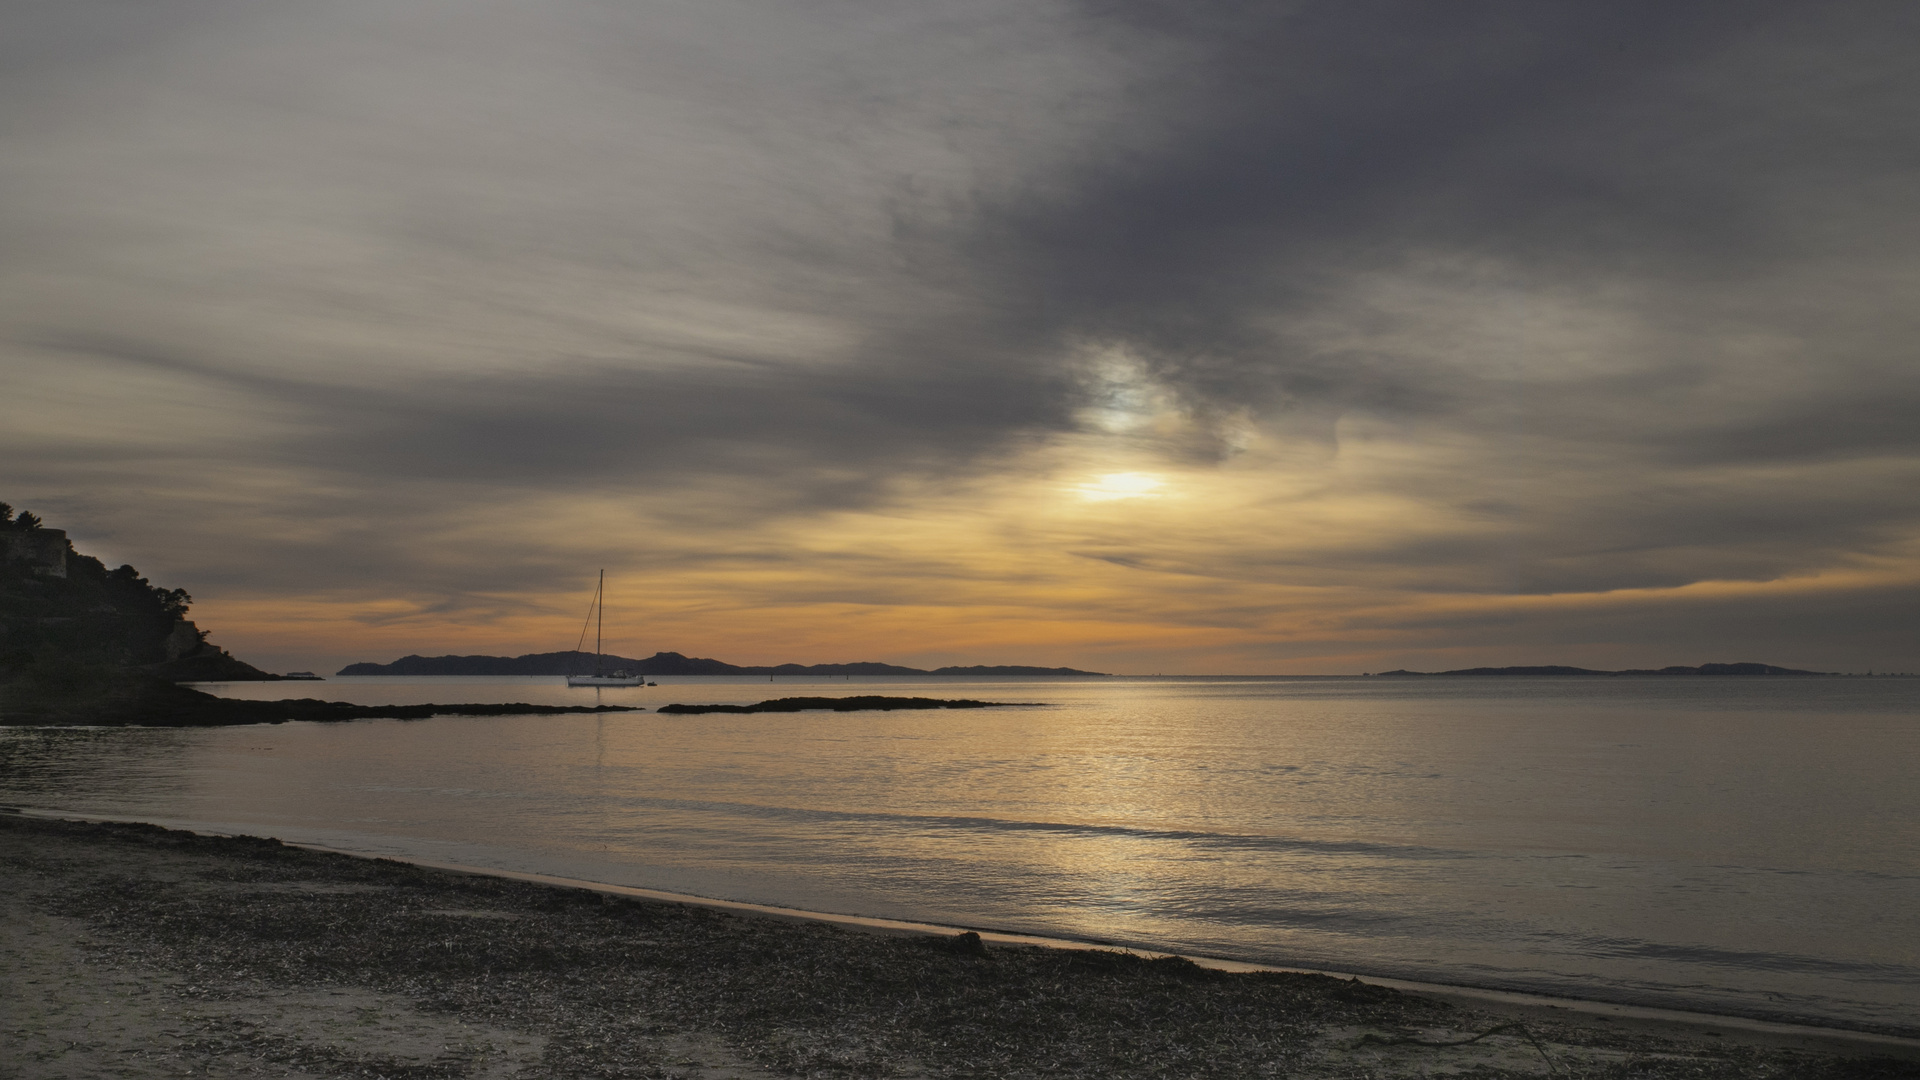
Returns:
(1125, 485)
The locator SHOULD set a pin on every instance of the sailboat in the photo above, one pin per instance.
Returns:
(600, 676)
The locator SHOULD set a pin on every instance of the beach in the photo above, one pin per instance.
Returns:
(1667, 845)
(139, 951)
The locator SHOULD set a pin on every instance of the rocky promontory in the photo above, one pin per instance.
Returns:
(80, 643)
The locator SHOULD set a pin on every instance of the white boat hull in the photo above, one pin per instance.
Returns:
(606, 680)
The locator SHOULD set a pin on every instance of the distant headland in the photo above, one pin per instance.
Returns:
(672, 663)
(1556, 669)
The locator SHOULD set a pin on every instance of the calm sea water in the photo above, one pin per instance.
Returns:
(1741, 846)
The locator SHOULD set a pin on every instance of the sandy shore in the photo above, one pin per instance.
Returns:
(133, 951)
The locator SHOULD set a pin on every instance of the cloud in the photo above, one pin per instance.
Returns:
(447, 300)
(1637, 270)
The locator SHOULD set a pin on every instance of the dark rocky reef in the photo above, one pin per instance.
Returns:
(147, 701)
(991, 670)
(859, 703)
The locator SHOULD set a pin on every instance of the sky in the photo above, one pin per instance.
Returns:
(1135, 336)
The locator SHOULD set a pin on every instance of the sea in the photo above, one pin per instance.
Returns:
(1742, 846)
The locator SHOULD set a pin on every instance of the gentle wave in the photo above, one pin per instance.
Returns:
(1062, 828)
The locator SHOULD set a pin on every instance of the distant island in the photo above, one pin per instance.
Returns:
(671, 663)
(1556, 669)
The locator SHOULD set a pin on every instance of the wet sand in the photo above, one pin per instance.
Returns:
(134, 951)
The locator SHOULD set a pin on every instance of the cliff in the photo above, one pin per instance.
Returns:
(75, 635)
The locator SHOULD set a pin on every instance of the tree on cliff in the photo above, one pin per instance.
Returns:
(70, 628)
(86, 611)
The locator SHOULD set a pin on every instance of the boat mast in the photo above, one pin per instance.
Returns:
(600, 609)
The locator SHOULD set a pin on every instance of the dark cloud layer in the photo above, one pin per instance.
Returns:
(1630, 283)
(1677, 146)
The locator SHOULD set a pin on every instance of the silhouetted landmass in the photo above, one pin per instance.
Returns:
(1556, 669)
(554, 663)
(61, 609)
(842, 704)
(78, 639)
(667, 663)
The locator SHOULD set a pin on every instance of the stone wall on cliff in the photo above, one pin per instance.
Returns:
(43, 551)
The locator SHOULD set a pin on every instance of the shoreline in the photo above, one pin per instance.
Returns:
(1789, 1031)
(1337, 1017)
(1786, 1031)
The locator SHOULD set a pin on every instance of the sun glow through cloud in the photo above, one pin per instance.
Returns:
(1124, 485)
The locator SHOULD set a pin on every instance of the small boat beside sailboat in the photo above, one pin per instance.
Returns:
(597, 614)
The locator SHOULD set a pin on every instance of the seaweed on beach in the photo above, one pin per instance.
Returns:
(842, 704)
